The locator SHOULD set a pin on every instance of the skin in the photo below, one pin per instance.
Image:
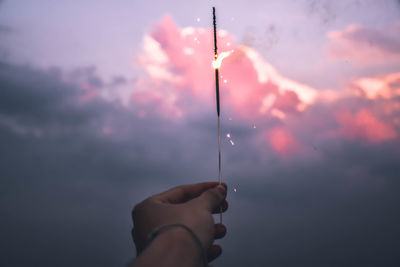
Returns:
(191, 205)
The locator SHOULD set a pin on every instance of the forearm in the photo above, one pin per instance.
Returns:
(175, 247)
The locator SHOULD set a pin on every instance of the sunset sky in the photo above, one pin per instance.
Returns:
(104, 103)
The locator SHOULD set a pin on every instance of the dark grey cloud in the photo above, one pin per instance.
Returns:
(266, 40)
(383, 40)
(329, 12)
(62, 179)
(4, 29)
(325, 10)
(67, 187)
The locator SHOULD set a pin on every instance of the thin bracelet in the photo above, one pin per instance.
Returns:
(167, 227)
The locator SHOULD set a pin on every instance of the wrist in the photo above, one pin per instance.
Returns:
(182, 241)
(174, 245)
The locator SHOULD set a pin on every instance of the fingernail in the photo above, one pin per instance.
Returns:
(221, 189)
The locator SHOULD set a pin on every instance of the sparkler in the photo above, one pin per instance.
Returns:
(216, 64)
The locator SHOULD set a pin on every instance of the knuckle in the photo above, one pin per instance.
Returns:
(214, 195)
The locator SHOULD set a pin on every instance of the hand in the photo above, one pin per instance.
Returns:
(191, 205)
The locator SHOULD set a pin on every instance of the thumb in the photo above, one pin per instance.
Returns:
(212, 198)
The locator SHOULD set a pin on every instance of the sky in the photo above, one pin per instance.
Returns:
(104, 103)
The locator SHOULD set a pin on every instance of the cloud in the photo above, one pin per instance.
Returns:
(67, 163)
(364, 125)
(180, 76)
(383, 86)
(39, 103)
(5, 29)
(315, 171)
(366, 45)
(282, 141)
(323, 9)
(179, 84)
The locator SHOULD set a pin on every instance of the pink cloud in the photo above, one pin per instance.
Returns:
(282, 141)
(162, 103)
(383, 86)
(371, 110)
(364, 45)
(178, 82)
(178, 62)
(107, 130)
(89, 92)
(364, 125)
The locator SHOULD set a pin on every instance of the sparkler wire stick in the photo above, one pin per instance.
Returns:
(218, 105)
(217, 95)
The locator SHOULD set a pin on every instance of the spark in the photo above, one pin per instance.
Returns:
(218, 60)
(228, 135)
(254, 126)
(198, 19)
(234, 190)
(225, 81)
(228, 44)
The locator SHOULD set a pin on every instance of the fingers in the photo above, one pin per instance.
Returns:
(214, 252)
(219, 230)
(213, 198)
(222, 208)
(184, 193)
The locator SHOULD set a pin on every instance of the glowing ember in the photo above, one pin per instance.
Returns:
(218, 61)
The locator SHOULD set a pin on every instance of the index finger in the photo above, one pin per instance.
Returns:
(183, 193)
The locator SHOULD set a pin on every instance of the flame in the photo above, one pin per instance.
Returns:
(218, 59)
